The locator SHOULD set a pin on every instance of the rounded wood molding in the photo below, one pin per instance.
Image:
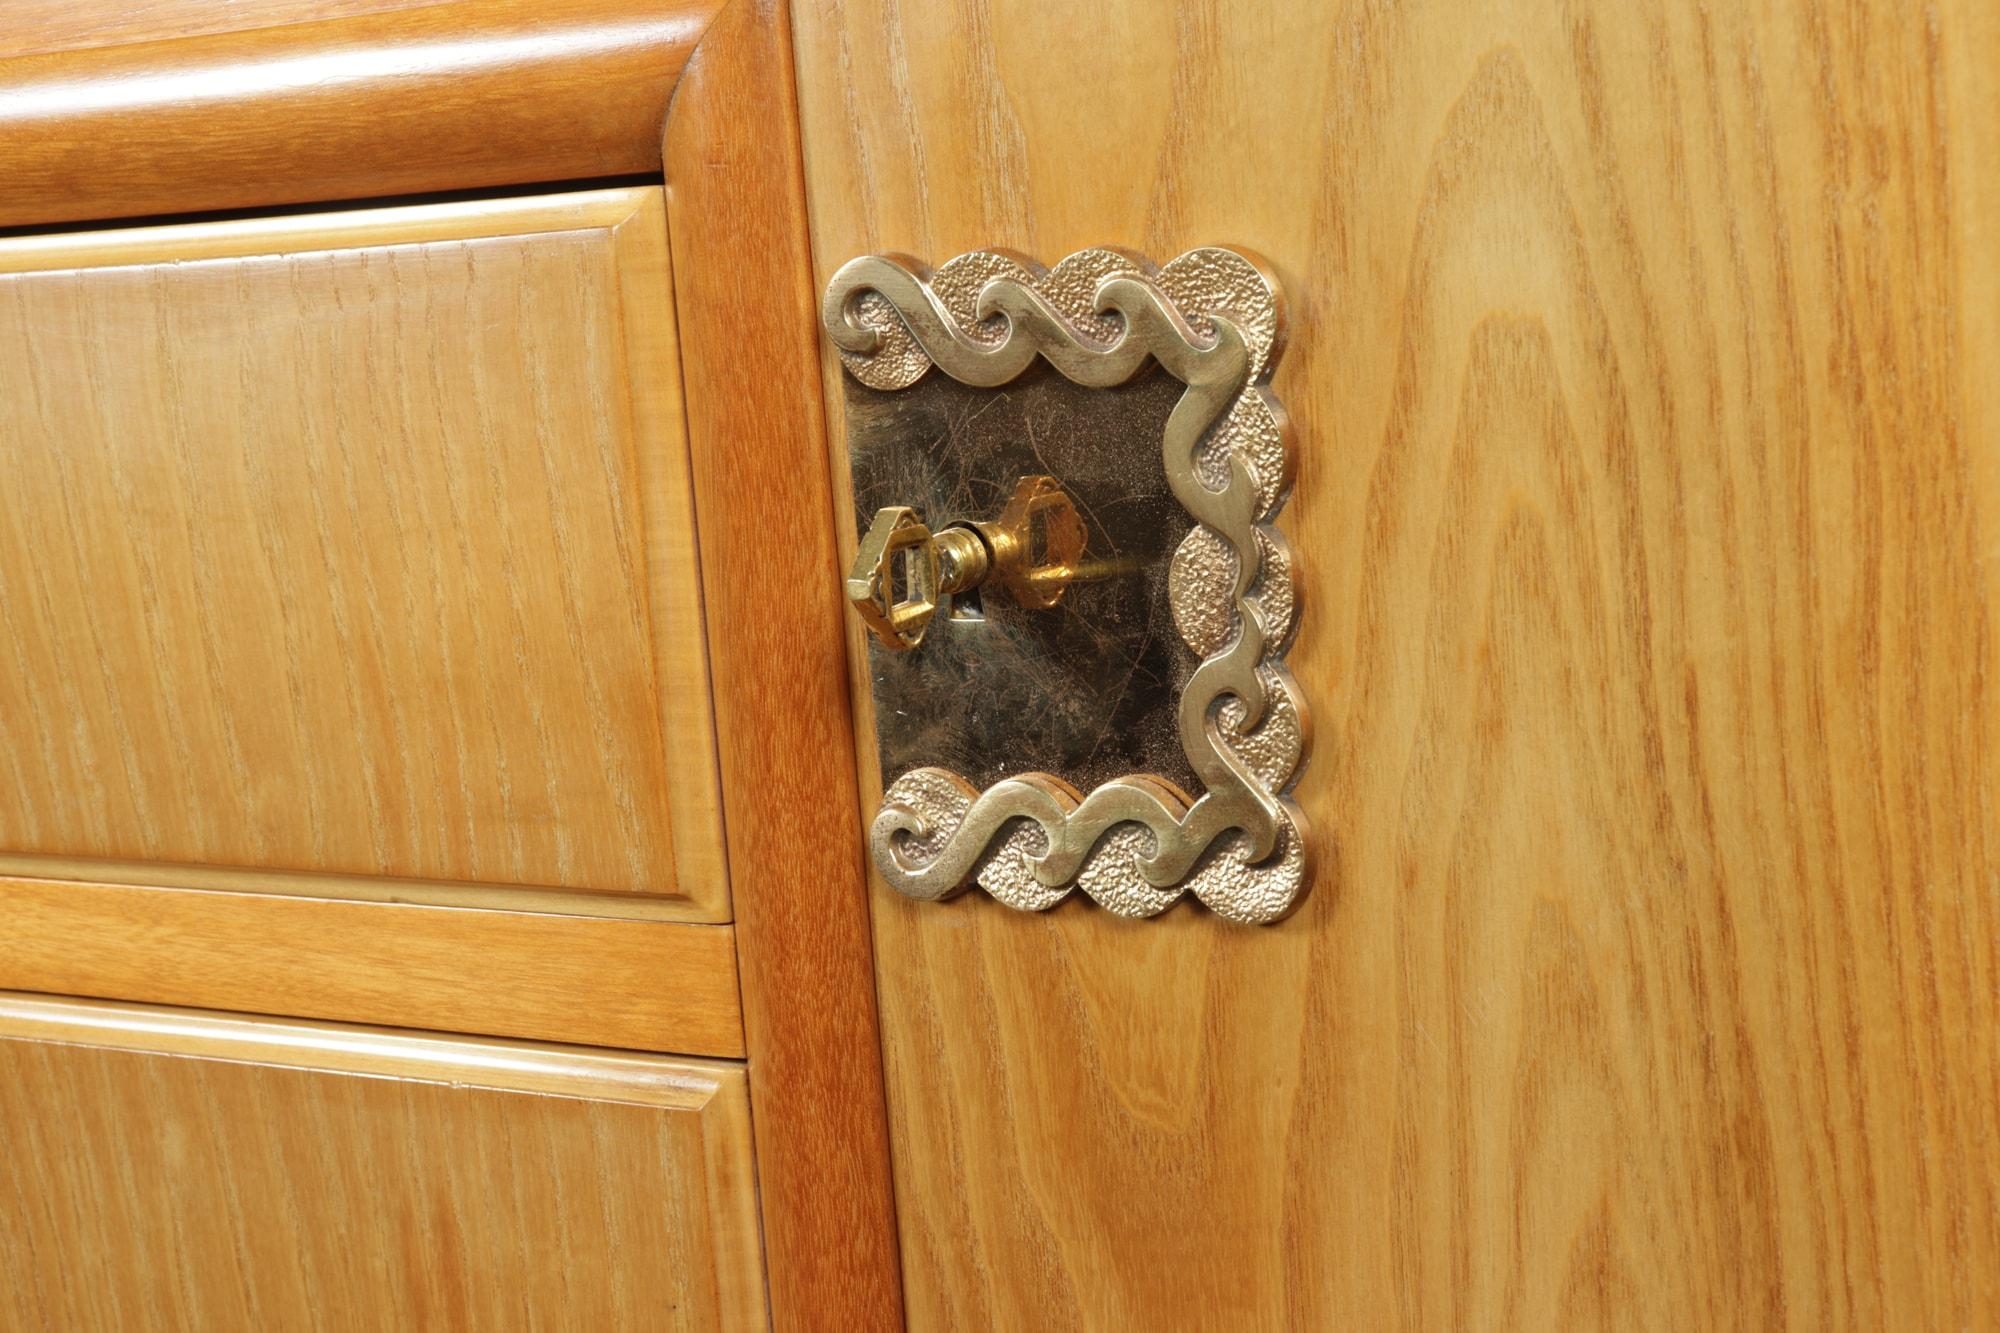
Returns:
(444, 96)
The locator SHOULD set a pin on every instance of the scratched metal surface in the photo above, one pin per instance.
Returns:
(1086, 691)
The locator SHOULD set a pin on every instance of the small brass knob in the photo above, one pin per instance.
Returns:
(1036, 542)
(894, 582)
(903, 571)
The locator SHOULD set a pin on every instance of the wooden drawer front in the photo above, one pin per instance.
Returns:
(164, 1168)
(356, 545)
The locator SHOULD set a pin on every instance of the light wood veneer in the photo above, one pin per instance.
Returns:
(166, 1168)
(357, 552)
(1643, 358)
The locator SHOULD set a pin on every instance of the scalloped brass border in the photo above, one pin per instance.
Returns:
(1213, 319)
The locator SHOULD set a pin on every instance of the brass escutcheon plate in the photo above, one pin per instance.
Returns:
(1138, 740)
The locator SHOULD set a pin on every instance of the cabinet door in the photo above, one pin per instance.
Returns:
(166, 1169)
(1643, 359)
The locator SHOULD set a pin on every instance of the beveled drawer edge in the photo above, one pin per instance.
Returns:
(509, 1064)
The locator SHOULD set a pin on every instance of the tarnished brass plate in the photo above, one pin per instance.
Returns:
(1085, 688)
(1138, 739)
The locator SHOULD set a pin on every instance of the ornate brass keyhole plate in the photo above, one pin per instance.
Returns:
(1213, 819)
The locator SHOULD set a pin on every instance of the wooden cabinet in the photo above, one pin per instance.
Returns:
(433, 782)
(169, 1169)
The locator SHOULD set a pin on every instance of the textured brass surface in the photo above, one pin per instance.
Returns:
(1140, 840)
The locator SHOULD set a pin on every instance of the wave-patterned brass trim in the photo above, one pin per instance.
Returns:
(1213, 319)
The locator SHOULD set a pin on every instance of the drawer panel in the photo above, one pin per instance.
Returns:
(188, 1170)
(352, 555)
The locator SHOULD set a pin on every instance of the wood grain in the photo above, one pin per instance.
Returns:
(1643, 358)
(757, 435)
(35, 26)
(291, 101)
(357, 546)
(647, 985)
(167, 1169)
